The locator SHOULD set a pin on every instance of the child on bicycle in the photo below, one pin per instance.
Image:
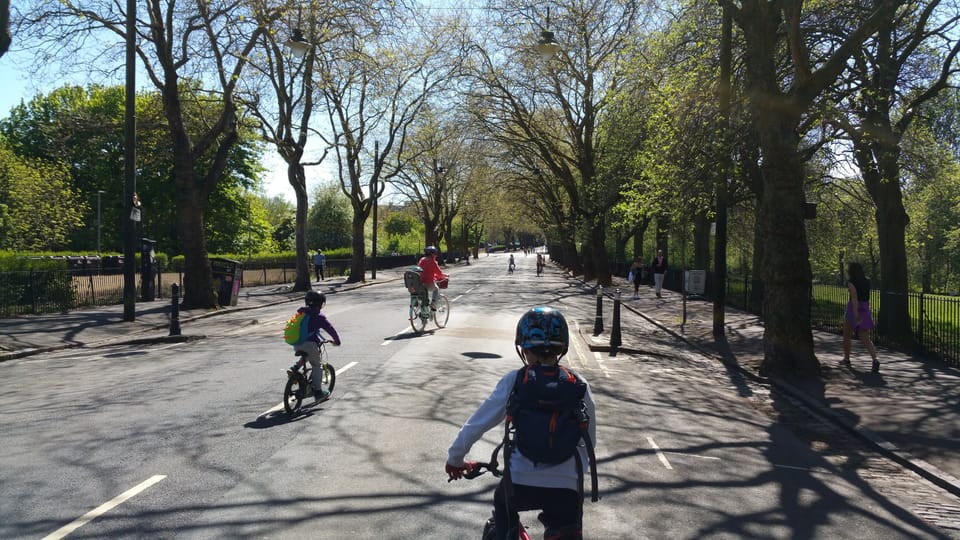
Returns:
(431, 274)
(315, 301)
(542, 338)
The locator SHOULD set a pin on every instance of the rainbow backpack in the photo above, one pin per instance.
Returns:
(297, 328)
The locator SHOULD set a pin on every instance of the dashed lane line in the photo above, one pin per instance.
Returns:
(103, 508)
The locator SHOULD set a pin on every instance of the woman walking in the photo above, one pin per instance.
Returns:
(858, 320)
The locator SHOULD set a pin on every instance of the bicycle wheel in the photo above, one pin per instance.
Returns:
(442, 313)
(417, 322)
(294, 393)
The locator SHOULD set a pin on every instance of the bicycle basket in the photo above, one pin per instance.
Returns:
(442, 283)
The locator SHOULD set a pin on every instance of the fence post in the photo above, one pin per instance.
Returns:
(615, 341)
(920, 343)
(175, 313)
(598, 321)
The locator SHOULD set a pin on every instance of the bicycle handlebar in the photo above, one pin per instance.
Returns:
(481, 468)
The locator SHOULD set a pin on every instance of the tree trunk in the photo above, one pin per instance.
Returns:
(893, 318)
(198, 290)
(785, 266)
(598, 254)
(358, 263)
(297, 179)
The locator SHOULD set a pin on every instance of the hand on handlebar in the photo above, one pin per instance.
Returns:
(456, 473)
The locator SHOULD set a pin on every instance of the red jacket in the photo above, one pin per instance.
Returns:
(431, 271)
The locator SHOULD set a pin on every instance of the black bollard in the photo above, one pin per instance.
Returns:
(175, 313)
(615, 341)
(598, 321)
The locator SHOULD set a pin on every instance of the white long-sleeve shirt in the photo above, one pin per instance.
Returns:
(492, 413)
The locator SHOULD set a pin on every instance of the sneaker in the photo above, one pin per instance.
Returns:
(433, 308)
(845, 362)
(320, 394)
(876, 366)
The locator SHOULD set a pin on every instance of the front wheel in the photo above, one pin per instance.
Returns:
(294, 392)
(442, 314)
(417, 322)
(329, 378)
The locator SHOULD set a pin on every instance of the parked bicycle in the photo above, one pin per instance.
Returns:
(300, 379)
(420, 312)
(479, 468)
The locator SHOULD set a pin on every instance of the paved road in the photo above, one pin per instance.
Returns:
(689, 448)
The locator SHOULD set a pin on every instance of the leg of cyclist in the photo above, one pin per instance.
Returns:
(561, 510)
(313, 356)
(434, 294)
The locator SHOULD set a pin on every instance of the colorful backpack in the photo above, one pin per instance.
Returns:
(547, 418)
(297, 328)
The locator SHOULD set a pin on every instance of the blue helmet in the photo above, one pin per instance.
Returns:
(544, 331)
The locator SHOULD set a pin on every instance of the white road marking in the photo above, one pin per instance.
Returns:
(346, 367)
(599, 358)
(103, 508)
(693, 455)
(660, 455)
(459, 296)
(390, 340)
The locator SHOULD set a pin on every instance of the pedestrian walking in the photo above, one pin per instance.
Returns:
(858, 320)
(659, 267)
(319, 261)
(635, 276)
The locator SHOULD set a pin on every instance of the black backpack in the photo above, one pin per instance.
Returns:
(547, 418)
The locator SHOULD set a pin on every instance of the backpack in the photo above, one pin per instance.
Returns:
(411, 279)
(297, 328)
(547, 418)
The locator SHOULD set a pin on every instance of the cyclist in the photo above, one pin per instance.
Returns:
(314, 301)
(431, 273)
(542, 338)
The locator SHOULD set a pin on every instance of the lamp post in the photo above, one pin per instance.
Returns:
(547, 46)
(130, 164)
(99, 193)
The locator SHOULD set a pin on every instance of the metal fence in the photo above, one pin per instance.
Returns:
(934, 319)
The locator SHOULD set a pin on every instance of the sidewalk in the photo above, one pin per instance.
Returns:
(25, 336)
(910, 410)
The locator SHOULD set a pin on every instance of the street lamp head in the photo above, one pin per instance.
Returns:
(297, 44)
(547, 47)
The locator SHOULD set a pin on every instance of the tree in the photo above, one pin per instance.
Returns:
(38, 206)
(553, 107)
(285, 121)
(83, 127)
(779, 105)
(210, 43)
(908, 62)
(377, 81)
(329, 222)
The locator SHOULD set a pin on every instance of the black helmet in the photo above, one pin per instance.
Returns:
(430, 250)
(544, 331)
(315, 299)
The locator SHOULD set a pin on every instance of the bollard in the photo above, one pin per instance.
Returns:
(175, 313)
(598, 321)
(615, 341)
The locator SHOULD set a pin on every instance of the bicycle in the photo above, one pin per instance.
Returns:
(489, 529)
(420, 312)
(300, 379)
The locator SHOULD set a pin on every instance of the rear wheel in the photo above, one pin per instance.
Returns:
(417, 322)
(442, 314)
(294, 392)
